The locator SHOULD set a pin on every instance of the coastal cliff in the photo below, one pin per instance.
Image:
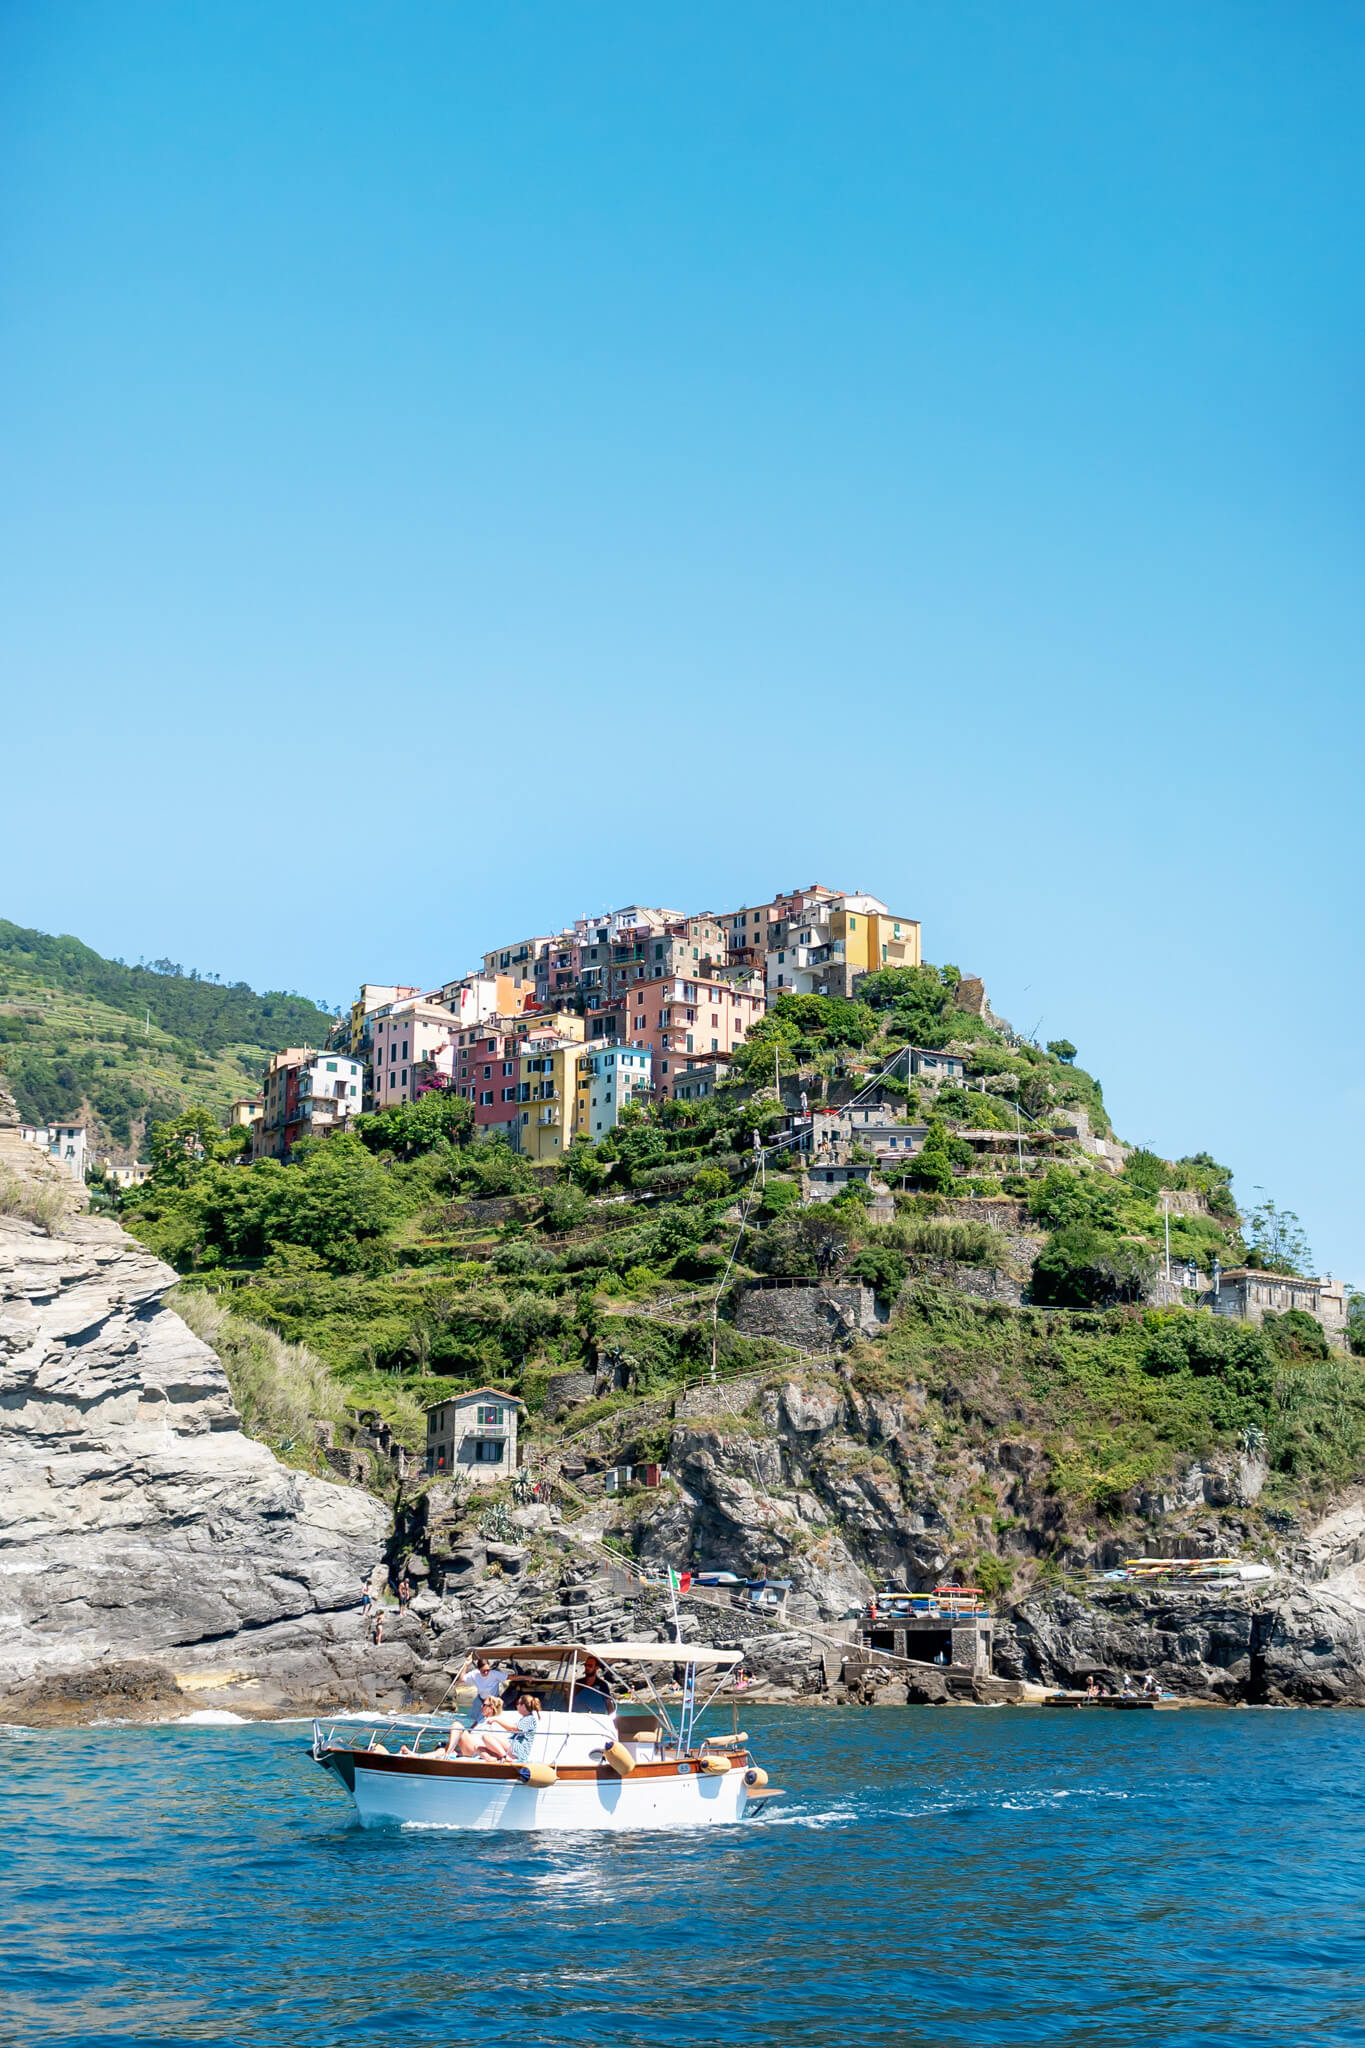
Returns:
(153, 1558)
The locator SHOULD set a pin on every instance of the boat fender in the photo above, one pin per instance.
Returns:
(716, 1766)
(619, 1757)
(538, 1774)
(754, 1776)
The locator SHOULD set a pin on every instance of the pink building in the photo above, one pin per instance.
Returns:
(401, 1040)
(484, 1072)
(677, 1016)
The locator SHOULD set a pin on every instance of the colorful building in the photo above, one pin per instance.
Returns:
(609, 1079)
(354, 1035)
(676, 1016)
(402, 1038)
(547, 1098)
(306, 1094)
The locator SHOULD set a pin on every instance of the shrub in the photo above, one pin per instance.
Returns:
(882, 1267)
(932, 1167)
(1081, 1268)
(563, 1206)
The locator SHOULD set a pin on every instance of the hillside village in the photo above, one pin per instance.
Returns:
(747, 1244)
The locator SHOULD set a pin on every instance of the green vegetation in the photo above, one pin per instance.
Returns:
(1114, 1399)
(126, 1047)
(382, 1263)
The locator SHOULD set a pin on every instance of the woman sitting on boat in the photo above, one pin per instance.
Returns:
(483, 1738)
(524, 1722)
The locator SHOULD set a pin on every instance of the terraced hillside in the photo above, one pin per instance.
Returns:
(126, 1047)
(997, 1377)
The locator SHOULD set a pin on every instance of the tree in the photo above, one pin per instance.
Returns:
(1080, 1267)
(882, 1267)
(180, 1146)
(805, 1243)
(932, 1166)
(1062, 1198)
(408, 1129)
(337, 1202)
(1355, 1323)
(1062, 1049)
(1147, 1170)
(563, 1206)
(1276, 1240)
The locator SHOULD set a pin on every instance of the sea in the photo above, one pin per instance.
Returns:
(951, 1876)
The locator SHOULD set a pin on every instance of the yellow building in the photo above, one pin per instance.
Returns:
(865, 936)
(548, 1098)
(536, 1024)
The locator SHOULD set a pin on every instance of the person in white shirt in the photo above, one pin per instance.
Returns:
(487, 1681)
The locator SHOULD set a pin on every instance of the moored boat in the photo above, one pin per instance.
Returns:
(587, 1763)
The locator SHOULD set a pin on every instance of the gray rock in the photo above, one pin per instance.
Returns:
(141, 1526)
(511, 1556)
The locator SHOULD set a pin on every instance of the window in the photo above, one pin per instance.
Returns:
(331, 1066)
(487, 1450)
(486, 1096)
(490, 1418)
(488, 1073)
(403, 1077)
(405, 1048)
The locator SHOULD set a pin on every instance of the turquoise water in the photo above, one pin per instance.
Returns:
(950, 1877)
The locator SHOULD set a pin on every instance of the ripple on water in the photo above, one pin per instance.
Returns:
(953, 1878)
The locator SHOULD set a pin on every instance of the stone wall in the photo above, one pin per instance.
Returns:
(987, 1283)
(724, 1397)
(811, 1314)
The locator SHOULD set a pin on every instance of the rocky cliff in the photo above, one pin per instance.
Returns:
(152, 1558)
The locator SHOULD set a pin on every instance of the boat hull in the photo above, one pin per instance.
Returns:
(389, 1792)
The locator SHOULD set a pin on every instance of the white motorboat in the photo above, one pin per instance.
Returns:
(589, 1764)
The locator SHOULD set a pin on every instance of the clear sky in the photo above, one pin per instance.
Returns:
(467, 466)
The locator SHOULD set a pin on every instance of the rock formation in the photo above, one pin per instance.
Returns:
(153, 1557)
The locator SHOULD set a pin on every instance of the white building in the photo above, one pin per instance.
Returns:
(607, 1081)
(63, 1142)
(474, 1434)
(307, 1094)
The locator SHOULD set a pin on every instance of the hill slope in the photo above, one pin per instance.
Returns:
(125, 1046)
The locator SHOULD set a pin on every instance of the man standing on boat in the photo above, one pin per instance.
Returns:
(485, 1678)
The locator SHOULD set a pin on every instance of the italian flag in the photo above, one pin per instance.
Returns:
(679, 1581)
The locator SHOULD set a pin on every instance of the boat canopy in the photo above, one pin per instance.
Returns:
(614, 1653)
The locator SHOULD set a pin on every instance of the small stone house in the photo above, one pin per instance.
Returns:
(935, 1067)
(827, 1175)
(474, 1434)
(1249, 1293)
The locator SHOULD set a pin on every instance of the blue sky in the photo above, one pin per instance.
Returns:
(466, 466)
